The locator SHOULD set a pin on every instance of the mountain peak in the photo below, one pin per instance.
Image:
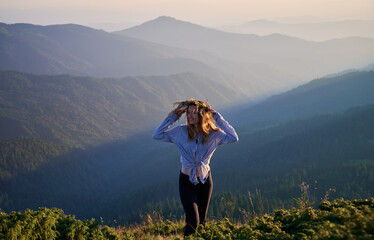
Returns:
(166, 23)
(165, 18)
(168, 19)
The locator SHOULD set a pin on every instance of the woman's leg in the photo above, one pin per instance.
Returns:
(203, 198)
(188, 195)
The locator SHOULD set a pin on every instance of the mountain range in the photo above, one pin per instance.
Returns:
(249, 64)
(83, 51)
(293, 56)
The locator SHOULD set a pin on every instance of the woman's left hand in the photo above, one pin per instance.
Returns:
(212, 111)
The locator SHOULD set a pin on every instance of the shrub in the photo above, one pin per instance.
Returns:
(50, 224)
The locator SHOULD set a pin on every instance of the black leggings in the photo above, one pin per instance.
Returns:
(195, 200)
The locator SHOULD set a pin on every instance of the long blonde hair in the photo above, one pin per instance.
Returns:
(206, 120)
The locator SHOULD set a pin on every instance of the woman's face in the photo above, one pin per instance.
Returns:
(192, 115)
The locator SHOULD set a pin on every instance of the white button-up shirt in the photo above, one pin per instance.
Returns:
(191, 149)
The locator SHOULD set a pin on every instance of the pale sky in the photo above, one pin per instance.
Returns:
(125, 13)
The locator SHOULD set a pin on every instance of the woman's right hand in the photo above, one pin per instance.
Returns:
(179, 112)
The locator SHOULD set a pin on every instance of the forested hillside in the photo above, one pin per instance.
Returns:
(87, 111)
(21, 155)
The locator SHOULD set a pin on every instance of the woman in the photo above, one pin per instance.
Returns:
(197, 140)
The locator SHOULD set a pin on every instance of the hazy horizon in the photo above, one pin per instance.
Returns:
(114, 15)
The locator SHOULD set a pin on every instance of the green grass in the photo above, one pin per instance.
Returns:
(340, 219)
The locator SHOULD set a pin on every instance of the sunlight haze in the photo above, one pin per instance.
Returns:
(116, 14)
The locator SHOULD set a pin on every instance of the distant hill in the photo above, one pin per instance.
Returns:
(318, 31)
(290, 55)
(320, 96)
(87, 111)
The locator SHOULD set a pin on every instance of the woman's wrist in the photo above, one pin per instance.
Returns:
(216, 116)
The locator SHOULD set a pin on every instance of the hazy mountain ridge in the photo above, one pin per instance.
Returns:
(178, 33)
(317, 31)
(295, 57)
(250, 65)
(80, 50)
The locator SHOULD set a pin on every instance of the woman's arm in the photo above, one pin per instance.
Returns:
(164, 133)
(229, 134)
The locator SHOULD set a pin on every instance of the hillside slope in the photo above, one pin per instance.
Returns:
(320, 96)
(87, 111)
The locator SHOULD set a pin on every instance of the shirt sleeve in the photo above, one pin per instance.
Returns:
(229, 134)
(164, 133)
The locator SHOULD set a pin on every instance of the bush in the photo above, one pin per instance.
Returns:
(336, 220)
(50, 224)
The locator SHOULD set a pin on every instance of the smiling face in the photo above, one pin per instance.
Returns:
(192, 115)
